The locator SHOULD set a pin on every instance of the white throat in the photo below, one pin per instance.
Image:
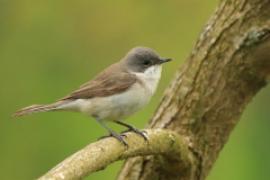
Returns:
(150, 77)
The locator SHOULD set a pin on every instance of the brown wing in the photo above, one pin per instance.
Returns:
(105, 84)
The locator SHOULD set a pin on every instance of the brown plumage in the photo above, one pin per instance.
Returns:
(36, 108)
(104, 84)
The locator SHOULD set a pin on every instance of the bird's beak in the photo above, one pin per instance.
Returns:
(165, 60)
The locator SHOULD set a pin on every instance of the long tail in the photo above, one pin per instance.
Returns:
(37, 108)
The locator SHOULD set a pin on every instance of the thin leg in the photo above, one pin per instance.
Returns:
(112, 133)
(131, 128)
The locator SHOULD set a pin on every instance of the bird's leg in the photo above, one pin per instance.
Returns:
(112, 133)
(131, 128)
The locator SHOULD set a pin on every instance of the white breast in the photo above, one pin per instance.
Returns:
(150, 78)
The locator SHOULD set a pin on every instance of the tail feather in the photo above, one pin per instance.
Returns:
(35, 109)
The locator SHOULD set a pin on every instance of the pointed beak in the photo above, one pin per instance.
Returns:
(165, 60)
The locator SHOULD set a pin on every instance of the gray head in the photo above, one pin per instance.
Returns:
(139, 59)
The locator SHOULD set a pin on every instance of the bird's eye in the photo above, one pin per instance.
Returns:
(146, 62)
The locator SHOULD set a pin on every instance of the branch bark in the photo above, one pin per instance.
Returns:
(229, 64)
(98, 155)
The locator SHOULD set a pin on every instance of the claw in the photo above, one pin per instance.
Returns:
(131, 128)
(123, 135)
(137, 131)
(141, 133)
(120, 138)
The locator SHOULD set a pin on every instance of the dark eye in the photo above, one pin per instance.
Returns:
(146, 62)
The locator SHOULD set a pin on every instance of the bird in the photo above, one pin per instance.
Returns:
(114, 94)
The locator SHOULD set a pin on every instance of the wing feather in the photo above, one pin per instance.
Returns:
(105, 84)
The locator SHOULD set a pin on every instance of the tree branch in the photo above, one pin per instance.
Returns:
(98, 155)
(229, 64)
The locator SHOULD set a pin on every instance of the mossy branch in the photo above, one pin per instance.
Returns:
(98, 155)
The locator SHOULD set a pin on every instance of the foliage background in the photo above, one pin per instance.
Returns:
(48, 48)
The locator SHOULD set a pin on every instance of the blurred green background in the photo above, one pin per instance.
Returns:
(48, 48)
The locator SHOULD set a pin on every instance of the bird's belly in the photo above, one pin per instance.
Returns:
(119, 106)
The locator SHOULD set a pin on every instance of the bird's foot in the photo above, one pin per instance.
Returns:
(120, 138)
(139, 132)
